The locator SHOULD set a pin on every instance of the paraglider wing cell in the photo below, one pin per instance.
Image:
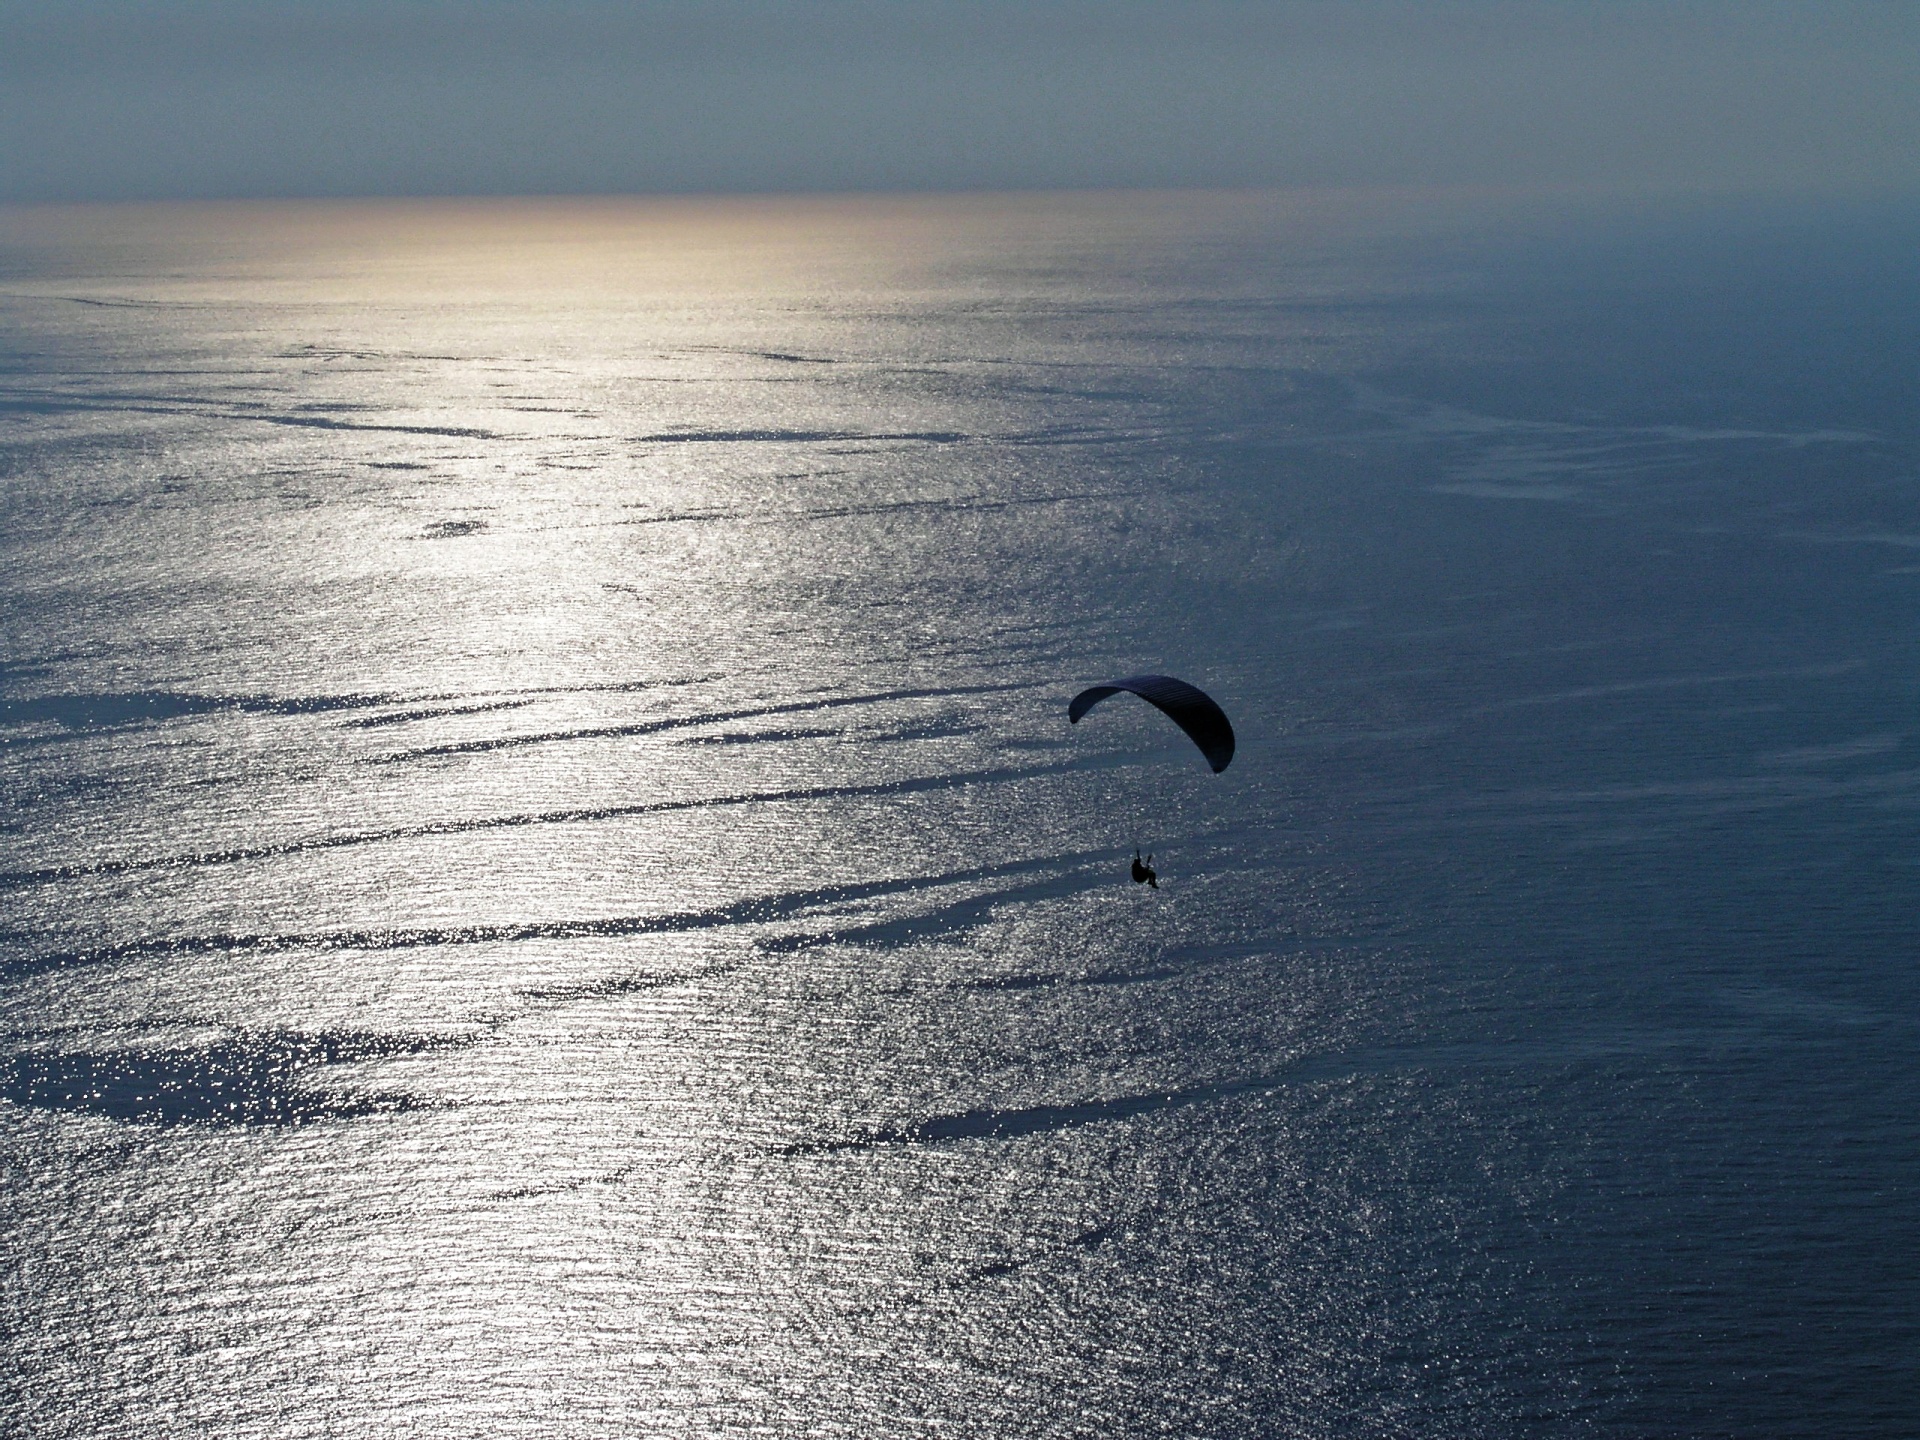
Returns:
(1192, 709)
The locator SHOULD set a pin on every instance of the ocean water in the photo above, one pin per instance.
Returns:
(548, 889)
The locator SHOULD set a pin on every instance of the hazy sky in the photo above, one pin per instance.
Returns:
(104, 99)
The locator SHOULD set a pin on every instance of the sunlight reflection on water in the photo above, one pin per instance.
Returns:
(550, 891)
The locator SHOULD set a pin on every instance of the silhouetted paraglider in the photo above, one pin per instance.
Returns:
(1189, 707)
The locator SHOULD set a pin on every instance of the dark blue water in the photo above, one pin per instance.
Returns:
(548, 889)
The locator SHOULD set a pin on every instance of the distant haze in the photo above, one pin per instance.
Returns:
(104, 100)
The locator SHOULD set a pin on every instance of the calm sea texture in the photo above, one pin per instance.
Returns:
(548, 889)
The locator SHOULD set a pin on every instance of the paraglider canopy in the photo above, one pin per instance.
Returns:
(1192, 709)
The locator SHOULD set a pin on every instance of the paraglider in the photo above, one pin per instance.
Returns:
(1189, 707)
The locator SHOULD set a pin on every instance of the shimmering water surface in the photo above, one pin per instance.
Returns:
(548, 890)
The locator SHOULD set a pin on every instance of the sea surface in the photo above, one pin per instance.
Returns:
(546, 888)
